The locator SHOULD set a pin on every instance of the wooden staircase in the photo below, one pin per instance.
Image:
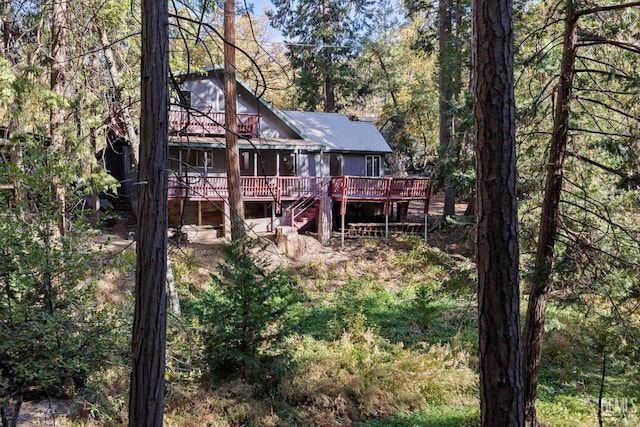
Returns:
(299, 218)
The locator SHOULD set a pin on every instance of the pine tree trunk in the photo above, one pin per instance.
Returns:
(231, 127)
(329, 93)
(540, 286)
(58, 112)
(501, 391)
(146, 394)
(327, 40)
(445, 119)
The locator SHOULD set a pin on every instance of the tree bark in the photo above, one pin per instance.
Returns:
(58, 112)
(540, 286)
(501, 391)
(231, 126)
(7, 25)
(329, 92)
(146, 394)
(448, 86)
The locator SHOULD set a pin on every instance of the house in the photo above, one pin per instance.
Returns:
(290, 161)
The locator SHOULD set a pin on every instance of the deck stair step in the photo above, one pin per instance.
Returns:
(308, 215)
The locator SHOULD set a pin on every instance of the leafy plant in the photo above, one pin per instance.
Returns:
(53, 332)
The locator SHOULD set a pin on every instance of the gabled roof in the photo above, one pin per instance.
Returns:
(278, 113)
(333, 131)
(337, 133)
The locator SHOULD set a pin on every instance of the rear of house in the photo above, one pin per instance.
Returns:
(289, 160)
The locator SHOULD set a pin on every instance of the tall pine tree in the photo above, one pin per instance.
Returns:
(324, 37)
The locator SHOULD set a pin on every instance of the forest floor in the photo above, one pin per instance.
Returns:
(406, 356)
(117, 239)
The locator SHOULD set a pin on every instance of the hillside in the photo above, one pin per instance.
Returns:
(384, 334)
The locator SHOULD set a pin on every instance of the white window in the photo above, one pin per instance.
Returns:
(245, 160)
(218, 104)
(373, 166)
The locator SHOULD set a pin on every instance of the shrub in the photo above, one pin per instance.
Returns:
(371, 377)
(54, 334)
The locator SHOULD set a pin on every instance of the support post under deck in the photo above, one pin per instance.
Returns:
(426, 230)
(226, 218)
(426, 218)
(273, 216)
(386, 227)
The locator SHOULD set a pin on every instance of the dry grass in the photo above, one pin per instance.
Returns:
(371, 378)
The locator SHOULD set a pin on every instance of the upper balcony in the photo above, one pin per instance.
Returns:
(197, 123)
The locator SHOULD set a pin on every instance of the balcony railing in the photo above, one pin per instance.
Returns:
(195, 123)
(296, 187)
(252, 187)
(365, 188)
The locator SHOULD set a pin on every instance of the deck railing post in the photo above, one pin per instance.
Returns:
(342, 231)
(278, 194)
(343, 206)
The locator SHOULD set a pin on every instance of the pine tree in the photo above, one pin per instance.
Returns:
(324, 37)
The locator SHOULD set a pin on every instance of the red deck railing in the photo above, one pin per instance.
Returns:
(281, 188)
(191, 122)
(364, 188)
(385, 190)
(252, 187)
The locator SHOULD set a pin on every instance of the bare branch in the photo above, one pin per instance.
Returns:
(592, 40)
(594, 132)
(608, 107)
(596, 164)
(607, 8)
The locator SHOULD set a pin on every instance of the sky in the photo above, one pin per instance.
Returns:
(261, 6)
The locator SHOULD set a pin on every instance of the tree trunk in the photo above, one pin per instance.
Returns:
(501, 392)
(231, 126)
(146, 394)
(540, 286)
(58, 112)
(329, 92)
(7, 36)
(325, 215)
(447, 94)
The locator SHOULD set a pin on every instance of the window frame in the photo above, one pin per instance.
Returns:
(373, 165)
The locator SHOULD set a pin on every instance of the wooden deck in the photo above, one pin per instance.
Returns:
(385, 190)
(358, 188)
(278, 188)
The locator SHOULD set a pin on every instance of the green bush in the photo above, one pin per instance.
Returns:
(54, 334)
